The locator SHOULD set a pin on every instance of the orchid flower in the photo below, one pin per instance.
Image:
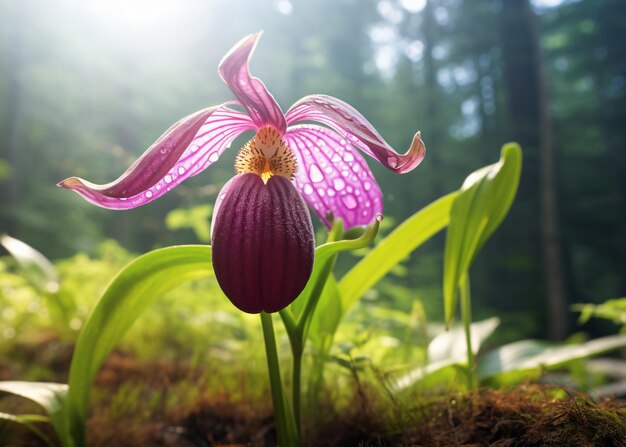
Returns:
(262, 236)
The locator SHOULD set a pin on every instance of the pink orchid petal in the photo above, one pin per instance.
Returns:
(333, 177)
(184, 150)
(251, 92)
(346, 120)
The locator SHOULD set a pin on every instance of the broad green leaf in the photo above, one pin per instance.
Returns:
(412, 233)
(50, 396)
(327, 316)
(614, 310)
(134, 289)
(482, 203)
(324, 258)
(448, 349)
(36, 267)
(28, 421)
(526, 355)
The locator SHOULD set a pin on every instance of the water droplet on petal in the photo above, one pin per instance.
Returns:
(331, 192)
(349, 201)
(392, 162)
(148, 194)
(335, 158)
(379, 217)
(367, 186)
(168, 178)
(308, 189)
(348, 157)
(181, 170)
(339, 184)
(214, 157)
(328, 169)
(349, 189)
(315, 174)
(123, 199)
(158, 186)
(321, 192)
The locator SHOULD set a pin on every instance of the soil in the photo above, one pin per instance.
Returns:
(527, 415)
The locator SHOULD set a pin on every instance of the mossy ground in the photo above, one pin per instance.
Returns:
(163, 404)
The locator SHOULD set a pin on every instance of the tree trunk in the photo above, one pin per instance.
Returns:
(530, 124)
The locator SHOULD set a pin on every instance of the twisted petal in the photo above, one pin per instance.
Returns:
(184, 150)
(251, 92)
(333, 177)
(346, 120)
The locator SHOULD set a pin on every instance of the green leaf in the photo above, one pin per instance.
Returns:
(447, 349)
(50, 396)
(37, 269)
(324, 258)
(134, 289)
(28, 421)
(412, 233)
(526, 355)
(196, 218)
(482, 203)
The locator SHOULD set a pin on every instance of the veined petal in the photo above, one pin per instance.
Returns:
(263, 243)
(333, 177)
(184, 150)
(251, 92)
(346, 120)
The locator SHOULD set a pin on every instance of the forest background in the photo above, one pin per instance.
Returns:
(85, 87)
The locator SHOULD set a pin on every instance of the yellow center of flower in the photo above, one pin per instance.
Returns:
(266, 154)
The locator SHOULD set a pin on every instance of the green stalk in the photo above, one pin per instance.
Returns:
(285, 426)
(296, 386)
(466, 314)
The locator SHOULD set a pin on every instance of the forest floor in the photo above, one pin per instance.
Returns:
(526, 415)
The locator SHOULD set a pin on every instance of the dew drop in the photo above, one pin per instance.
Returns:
(367, 186)
(328, 169)
(315, 174)
(308, 189)
(168, 178)
(348, 157)
(158, 186)
(321, 192)
(123, 199)
(339, 184)
(335, 158)
(214, 157)
(392, 162)
(349, 189)
(379, 217)
(349, 201)
(343, 142)
(331, 192)
(148, 194)
(181, 170)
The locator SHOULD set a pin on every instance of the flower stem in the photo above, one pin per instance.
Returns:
(296, 387)
(283, 415)
(466, 311)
